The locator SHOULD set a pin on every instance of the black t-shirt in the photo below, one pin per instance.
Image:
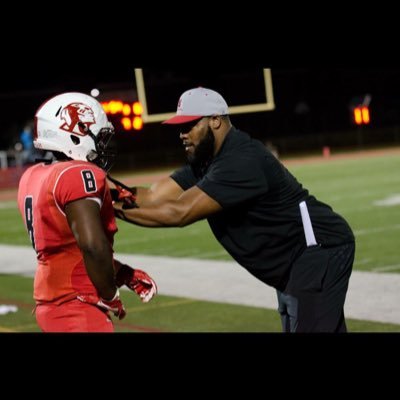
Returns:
(260, 225)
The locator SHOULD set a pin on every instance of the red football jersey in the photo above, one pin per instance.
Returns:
(44, 190)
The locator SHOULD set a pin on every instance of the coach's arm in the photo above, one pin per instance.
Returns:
(166, 204)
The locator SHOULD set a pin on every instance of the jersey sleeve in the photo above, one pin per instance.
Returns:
(184, 177)
(79, 182)
(234, 180)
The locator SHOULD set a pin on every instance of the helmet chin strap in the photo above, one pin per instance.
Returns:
(99, 157)
(87, 131)
(92, 155)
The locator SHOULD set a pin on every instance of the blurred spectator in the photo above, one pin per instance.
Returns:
(28, 151)
(19, 154)
(25, 151)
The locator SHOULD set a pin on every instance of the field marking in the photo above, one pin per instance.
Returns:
(19, 327)
(370, 194)
(169, 304)
(4, 329)
(364, 261)
(201, 255)
(361, 232)
(386, 268)
(393, 200)
(121, 324)
(136, 328)
(201, 280)
(8, 204)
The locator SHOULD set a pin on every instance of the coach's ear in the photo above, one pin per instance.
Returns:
(215, 122)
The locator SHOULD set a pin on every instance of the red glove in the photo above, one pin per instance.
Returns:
(123, 193)
(138, 281)
(114, 305)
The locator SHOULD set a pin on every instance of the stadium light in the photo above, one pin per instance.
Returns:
(365, 115)
(361, 115)
(357, 116)
(359, 106)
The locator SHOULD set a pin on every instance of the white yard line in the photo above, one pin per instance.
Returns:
(387, 268)
(378, 229)
(371, 296)
(8, 204)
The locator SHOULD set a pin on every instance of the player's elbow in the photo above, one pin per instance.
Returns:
(95, 249)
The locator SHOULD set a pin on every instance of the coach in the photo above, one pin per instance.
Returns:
(257, 210)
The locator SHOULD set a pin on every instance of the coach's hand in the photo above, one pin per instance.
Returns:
(138, 281)
(114, 305)
(126, 197)
(123, 193)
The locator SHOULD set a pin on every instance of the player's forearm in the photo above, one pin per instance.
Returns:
(85, 222)
(117, 265)
(99, 266)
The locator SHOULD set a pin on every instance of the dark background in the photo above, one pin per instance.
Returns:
(313, 106)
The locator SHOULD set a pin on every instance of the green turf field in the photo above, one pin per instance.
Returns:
(354, 188)
(351, 187)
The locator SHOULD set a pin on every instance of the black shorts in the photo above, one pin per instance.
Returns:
(314, 296)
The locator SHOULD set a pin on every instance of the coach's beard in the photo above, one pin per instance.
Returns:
(203, 152)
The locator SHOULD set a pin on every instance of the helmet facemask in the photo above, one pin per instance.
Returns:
(101, 156)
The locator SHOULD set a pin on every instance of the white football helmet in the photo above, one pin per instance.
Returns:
(74, 124)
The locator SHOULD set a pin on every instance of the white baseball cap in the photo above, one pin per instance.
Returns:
(197, 103)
